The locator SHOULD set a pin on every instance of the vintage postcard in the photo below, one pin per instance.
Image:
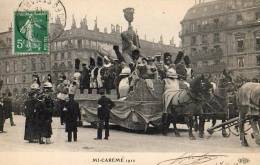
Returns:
(130, 82)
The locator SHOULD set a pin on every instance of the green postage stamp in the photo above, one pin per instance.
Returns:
(31, 32)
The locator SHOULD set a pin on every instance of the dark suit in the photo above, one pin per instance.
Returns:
(2, 118)
(72, 116)
(105, 105)
(30, 132)
(84, 79)
(8, 108)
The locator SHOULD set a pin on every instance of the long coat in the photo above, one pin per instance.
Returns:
(44, 119)
(85, 79)
(31, 120)
(105, 105)
(8, 108)
(72, 115)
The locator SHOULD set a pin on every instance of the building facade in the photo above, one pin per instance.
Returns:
(76, 43)
(223, 34)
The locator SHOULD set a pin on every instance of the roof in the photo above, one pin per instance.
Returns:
(206, 9)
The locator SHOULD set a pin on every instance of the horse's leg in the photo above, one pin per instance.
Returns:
(196, 124)
(224, 131)
(214, 121)
(201, 126)
(174, 122)
(254, 123)
(241, 129)
(165, 124)
(189, 121)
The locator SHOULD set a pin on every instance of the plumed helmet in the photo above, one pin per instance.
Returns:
(187, 60)
(35, 86)
(167, 56)
(77, 64)
(125, 71)
(171, 73)
(178, 57)
(47, 85)
(92, 61)
(99, 61)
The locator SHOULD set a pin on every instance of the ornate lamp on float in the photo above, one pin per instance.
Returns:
(130, 40)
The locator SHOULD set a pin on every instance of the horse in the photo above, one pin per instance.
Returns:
(222, 104)
(185, 104)
(248, 100)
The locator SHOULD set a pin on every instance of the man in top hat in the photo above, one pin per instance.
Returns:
(72, 116)
(181, 70)
(104, 106)
(85, 78)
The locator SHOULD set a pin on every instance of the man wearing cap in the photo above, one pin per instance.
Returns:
(105, 104)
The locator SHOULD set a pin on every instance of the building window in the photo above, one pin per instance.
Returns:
(216, 37)
(258, 60)
(204, 50)
(62, 56)
(239, 19)
(15, 66)
(193, 40)
(24, 65)
(69, 55)
(79, 44)
(257, 41)
(7, 80)
(216, 21)
(15, 79)
(204, 39)
(7, 67)
(33, 61)
(257, 15)
(24, 79)
(240, 62)
(43, 63)
(240, 45)
(193, 51)
(55, 57)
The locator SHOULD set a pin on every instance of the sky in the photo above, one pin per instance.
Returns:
(152, 18)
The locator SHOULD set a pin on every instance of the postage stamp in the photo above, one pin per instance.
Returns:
(57, 14)
(31, 32)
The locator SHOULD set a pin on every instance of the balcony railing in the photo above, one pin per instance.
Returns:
(210, 68)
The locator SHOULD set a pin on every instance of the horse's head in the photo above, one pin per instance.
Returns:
(201, 86)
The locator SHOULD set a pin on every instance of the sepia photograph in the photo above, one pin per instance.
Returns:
(130, 82)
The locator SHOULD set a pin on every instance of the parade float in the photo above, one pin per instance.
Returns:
(142, 106)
